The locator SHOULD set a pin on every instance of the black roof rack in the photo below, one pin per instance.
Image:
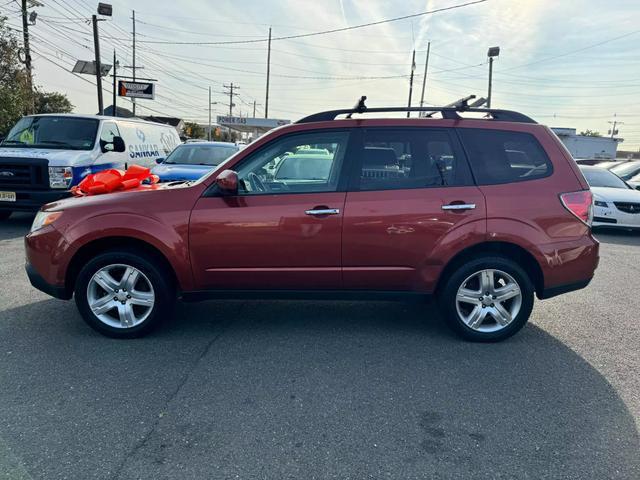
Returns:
(449, 112)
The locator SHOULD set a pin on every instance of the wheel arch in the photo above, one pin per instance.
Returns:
(97, 246)
(509, 250)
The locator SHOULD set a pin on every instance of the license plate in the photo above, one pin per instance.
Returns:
(7, 196)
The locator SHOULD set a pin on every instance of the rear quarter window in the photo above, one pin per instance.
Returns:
(500, 156)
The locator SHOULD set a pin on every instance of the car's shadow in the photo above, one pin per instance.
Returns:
(17, 225)
(305, 390)
(617, 236)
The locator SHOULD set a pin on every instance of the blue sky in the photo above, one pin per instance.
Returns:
(550, 65)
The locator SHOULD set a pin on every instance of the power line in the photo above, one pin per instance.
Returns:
(324, 32)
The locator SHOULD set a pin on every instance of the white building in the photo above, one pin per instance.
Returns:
(584, 146)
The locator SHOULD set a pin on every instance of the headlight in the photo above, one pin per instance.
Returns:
(600, 203)
(43, 219)
(60, 177)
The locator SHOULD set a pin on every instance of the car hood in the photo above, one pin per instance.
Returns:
(56, 157)
(181, 171)
(608, 194)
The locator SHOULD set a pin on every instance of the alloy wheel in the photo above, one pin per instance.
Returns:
(120, 296)
(488, 300)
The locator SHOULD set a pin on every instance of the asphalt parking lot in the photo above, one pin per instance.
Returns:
(237, 389)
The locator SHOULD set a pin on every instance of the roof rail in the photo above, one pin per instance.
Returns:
(449, 112)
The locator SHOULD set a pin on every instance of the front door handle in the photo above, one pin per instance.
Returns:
(322, 211)
(459, 206)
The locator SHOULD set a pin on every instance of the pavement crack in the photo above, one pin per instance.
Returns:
(142, 443)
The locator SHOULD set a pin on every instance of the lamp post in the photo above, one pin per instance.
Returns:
(106, 10)
(492, 53)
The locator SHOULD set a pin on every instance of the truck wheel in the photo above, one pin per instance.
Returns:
(4, 214)
(487, 299)
(124, 294)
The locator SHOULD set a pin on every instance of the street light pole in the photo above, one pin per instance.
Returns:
(492, 53)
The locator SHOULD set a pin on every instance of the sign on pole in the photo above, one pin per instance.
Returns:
(131, 89)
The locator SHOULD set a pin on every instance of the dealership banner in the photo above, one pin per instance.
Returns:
(131, 89)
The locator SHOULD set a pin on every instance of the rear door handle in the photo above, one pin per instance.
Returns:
(459, 206)
(322, 211)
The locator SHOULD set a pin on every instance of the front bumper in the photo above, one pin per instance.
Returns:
(612, 217)
(32, 200)
(41, 284)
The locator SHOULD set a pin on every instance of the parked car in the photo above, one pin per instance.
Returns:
(609, 164)
(190, 161)
(457, 220)
(616, 204)
(627, 170)
(45, 155)
(634, 182)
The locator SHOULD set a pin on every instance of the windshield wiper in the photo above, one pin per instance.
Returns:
(56, 142)
(13, 142)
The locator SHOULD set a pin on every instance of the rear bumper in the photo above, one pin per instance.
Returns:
(41, 284)
(32, 200)
(560, 289)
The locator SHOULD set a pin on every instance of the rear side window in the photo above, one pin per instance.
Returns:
(411, 158)
(499, 156)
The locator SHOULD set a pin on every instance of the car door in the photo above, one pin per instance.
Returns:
(410, 204)
(283, 228)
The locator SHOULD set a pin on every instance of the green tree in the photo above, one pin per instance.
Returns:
(14, 90)
(51, 102)
(590, 133)
(13, 80)
(193, 130)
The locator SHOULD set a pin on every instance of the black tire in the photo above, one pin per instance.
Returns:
(449, 290)
(5, 214)
(160, 279)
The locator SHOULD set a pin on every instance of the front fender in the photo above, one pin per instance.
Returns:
(168, 235)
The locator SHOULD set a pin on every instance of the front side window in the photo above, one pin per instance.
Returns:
(411, 158)
(498, 156)
(67, 133)
(109, 130)
(297, 163)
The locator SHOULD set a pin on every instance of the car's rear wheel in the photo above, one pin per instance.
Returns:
(5, 214)
(487, 299)
(124, 294)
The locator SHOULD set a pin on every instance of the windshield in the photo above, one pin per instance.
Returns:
(198, 154)
(67, 133)
(598, 177)
(626, 170)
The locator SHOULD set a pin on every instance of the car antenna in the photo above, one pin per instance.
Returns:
(360, 107)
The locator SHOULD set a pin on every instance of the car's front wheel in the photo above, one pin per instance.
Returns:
(487, 299)
(124, 294)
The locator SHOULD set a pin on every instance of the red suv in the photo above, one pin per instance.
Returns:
(482, 212)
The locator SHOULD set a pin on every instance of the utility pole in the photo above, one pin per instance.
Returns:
(209, 135)
(424, 79)
(115, 93)
(254, 109)
(96, 47)
(613, 124)
(133, 18)
(266, 101)
(27, 56)
(231, 92)
(413, 68)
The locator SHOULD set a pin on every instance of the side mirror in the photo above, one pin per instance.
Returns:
(160, 160)
(118, 144)
(227, 182)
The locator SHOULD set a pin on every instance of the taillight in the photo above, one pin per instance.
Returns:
(580, 204)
